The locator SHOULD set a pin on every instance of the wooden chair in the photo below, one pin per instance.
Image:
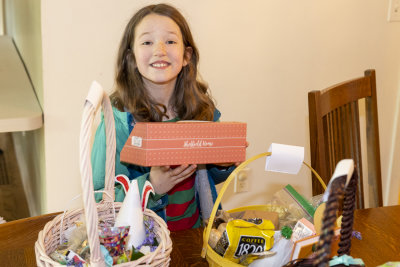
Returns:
(335, 133)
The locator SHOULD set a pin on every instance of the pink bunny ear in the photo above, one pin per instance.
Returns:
(147, 189)
(124, 181)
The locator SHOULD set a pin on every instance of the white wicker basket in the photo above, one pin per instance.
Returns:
(49, 238)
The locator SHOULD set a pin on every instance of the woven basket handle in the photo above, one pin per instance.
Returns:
(95, 97)
(206, 234)
(339, 186)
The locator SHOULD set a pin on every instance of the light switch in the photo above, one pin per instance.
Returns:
(242, 181)
(394, 11)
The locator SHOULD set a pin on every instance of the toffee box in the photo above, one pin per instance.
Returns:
(177, 143)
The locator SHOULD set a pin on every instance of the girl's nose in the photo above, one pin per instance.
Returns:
(160, 49)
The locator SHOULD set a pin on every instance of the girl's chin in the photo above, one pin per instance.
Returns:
(160, 81)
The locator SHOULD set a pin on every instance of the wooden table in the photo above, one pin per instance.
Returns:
(380, 229)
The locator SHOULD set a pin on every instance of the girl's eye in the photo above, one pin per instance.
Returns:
(171, 42)
(146, 43)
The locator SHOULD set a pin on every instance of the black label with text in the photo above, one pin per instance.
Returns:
(249, 244)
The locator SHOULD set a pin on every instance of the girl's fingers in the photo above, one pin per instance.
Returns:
(180, 178)
(183, 173)
(182, 169)
(165, 168)
(189, 170)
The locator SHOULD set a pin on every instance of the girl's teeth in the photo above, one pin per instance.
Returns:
(159, 65)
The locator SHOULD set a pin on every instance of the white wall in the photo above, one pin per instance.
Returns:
(259, 57)
(23, 24)
(1, 18)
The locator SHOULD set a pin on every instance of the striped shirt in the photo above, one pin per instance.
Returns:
(182, 210)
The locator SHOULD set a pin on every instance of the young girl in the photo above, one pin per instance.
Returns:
(157, 80)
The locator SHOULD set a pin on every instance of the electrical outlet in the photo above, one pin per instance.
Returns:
(241, 181)
(394, 10)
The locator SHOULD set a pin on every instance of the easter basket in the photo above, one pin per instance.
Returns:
(212, 257)
(53, 233)
(342, 191)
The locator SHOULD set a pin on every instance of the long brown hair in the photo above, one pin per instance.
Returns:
(190, 99)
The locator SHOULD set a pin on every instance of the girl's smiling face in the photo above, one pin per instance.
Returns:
(159, 50)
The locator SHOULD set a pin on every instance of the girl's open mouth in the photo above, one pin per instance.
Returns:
(160, 64)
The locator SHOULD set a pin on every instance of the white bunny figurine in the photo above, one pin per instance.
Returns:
(131, 212)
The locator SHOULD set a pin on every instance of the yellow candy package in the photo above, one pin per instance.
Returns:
(248, 236)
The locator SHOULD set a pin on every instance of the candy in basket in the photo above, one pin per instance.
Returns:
(54, 232)
(260, 233)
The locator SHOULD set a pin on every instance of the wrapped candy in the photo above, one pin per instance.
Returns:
(113, 239)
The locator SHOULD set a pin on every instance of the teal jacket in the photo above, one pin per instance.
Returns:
(124, 124)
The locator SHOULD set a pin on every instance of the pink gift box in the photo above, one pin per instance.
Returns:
(177, 143)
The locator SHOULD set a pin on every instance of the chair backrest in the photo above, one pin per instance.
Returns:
(335, 133)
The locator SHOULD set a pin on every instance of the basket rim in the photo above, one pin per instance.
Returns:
(164, 247)
(207, 232)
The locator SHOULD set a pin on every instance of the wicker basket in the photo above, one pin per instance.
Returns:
(341, 187)
(49, 238)
(212, 257)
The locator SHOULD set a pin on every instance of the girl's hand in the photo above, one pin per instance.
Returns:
(164, 178)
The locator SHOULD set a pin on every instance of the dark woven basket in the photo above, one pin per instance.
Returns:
(338, 192)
